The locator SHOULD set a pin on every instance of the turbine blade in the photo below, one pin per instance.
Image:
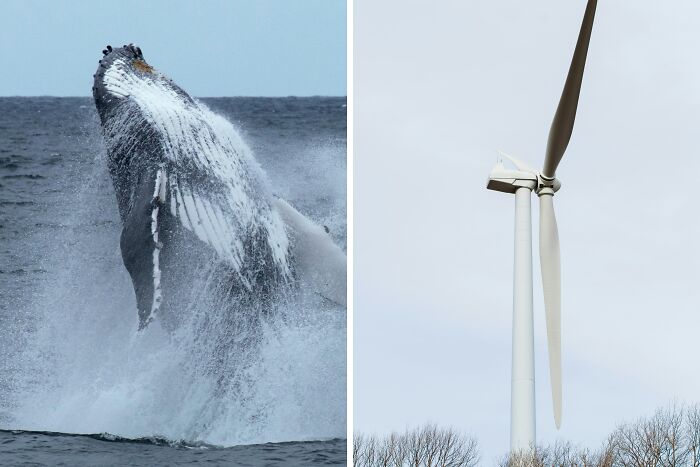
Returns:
(551, 283)
(563, 123)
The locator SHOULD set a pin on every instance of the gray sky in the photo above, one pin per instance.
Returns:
(211, 48)
(439, 87)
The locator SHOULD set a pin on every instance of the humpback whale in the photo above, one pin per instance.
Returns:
(193, 200)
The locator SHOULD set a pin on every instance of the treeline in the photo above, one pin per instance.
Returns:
(669, 438)
(429, 446)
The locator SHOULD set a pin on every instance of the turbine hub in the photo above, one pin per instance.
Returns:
(546, 185)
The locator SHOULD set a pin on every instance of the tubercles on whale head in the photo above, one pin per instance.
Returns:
(128, 53)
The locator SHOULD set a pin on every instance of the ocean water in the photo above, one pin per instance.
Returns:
(78, 384)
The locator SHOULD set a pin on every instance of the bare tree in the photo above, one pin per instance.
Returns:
(669, 438)
(635, 445)
(536, 456)
(391, 452)
(692, 435)
(358, 449)
(670, 422)
(428, 446)
(651, 442)
(431, 444)
(416, 448)
(364, 451)
(401, 452)
(607, 455)
(559, 455)
(455, 450)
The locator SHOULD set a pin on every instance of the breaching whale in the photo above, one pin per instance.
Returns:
(193, 200)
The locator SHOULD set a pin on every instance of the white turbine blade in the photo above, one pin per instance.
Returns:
(551, 283)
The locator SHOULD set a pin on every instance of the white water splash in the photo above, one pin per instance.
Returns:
(87, 370)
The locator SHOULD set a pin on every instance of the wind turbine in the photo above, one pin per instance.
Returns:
(522, 182)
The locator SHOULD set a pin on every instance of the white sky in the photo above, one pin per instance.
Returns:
(439, 87)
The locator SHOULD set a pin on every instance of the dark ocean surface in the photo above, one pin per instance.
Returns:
(70, 359)
(47, 448)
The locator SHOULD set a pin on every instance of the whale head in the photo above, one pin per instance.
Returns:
(124, 75)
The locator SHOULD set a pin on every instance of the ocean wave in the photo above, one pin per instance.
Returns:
(157, 440)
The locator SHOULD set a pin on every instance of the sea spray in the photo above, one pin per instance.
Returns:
(85, 368)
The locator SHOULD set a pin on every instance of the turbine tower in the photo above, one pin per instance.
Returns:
(522, 182)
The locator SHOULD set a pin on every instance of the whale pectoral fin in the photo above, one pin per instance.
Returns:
(141, 249)
(319, 261)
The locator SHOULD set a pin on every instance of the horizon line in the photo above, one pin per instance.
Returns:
(199, 97)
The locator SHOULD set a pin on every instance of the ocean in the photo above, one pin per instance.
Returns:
(78, 384)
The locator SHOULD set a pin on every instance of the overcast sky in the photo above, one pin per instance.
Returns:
(210, 48)
(453, 82)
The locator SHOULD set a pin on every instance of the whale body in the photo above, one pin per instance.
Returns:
(194, 202)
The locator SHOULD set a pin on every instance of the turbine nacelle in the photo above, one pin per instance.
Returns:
(508, 181)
